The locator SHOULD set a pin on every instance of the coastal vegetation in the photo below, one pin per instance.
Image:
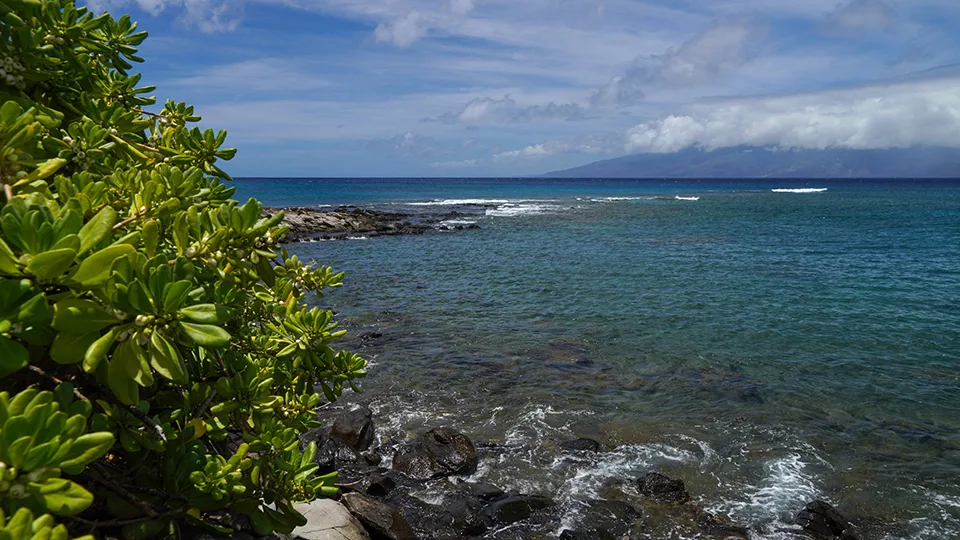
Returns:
(158, 356)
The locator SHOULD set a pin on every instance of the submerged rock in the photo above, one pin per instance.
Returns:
(823, 521)
(516, 508)
(439, 452)
(604, 520)
(582, 444)
(662, 488)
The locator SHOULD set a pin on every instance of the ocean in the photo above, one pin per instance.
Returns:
(767, 341)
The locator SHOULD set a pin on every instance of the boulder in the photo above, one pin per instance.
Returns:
(583, 444)
(332, 453)
(428, 520)
(355, 428)
(823, 521)
(516, 508)
(439, 452)
(328, 520)
(662, 488)
(381, 520)
(374, 481)
(484, 491)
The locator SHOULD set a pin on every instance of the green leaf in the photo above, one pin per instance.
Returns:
(69, 348)
(9, 265)
(166, 360)
(207, 313)
(125, 388)
(35, 311)
(47, 168)
(13, 357)
(97, 351)
(97, 229)
(50, 264)
(206, 335)
(85, 449)
(175, 295)
(81, 316)
(151, 235)
(95, 269)
(62, 497)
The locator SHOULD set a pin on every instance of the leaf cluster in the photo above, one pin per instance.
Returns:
(158, 352)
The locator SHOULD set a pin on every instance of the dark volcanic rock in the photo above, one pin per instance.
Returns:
(516, 508)
(663, 488)
(381, 520)
(439, 452)
(305, 223)
(823, 521)
(374, 481)
(604, 520)
(332, 453)
(354, 428)
(583, 444)
(485, 491)
(428, 520)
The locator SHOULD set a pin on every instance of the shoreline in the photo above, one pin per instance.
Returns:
(343, 222)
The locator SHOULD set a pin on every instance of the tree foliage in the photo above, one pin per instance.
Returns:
(157, 353)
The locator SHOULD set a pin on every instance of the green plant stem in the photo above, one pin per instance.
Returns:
(123, 492)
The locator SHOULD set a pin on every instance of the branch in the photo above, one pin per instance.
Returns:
(120, 490)
(122, 522)
(130, 220)
(50, 378)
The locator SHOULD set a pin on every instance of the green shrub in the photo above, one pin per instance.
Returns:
(157, 354)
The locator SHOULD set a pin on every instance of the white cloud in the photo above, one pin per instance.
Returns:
(208, 16)
(716, 51)
(487, 110)
(403, 31)
(898, 115)
(454, 164)
(552, 148)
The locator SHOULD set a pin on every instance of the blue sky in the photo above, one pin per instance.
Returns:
(523, 87)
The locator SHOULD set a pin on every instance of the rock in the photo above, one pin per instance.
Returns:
(719, 525)
(662, 488)
(328, 520)
(374, 481)
(467, 514)
(604, 520)
(583, 444)
(436, 453)
(381, 520)
(332, 453)
(428, 520)
(822, 520)
(485, 491)
(354, 428)
(516, 508)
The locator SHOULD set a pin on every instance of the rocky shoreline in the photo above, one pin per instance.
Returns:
(422, 488)
(345, 222)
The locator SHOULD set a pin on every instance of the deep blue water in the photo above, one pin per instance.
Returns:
(766, 346)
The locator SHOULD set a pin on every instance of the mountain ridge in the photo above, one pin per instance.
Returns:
(765, 162)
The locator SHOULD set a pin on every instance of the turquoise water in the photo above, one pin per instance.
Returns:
(766, 346)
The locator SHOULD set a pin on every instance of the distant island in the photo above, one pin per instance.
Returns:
(760, 162)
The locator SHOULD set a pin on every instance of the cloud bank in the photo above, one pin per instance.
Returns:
(888, 116)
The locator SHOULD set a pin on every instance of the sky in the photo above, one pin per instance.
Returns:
(354, 88)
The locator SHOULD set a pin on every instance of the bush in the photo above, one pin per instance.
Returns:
(158, 356)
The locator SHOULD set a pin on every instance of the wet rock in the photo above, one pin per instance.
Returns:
(467, 514)
(485, 491)
(823, 521)
(332, 453)
(328, 520)
(354, 428)
(436, 453)
(381, 520)
(516, 508)
(374, 481)
(604, 520)
(428, 520)
(719, 526)
(662, 488)
(583, 444)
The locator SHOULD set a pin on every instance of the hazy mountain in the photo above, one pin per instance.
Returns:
(756, 162)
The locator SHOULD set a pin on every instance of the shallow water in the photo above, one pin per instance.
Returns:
(768, 342)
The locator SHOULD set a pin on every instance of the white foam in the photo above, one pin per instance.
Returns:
(455, 222)
(679, 198)
(798, 190)
(456, 202)
(514, 209)
(785, 487)
(358, 238)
